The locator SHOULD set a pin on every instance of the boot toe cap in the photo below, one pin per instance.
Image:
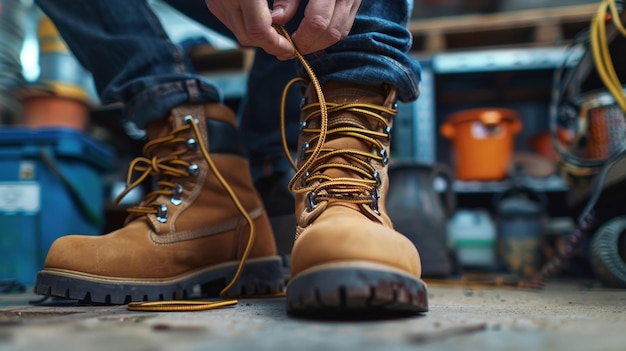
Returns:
(346, 238)
(72, 251)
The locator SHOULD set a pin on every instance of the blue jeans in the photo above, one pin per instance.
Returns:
(12, 21)
(125, 47)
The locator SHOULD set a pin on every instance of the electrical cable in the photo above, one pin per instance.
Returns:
(595, 44)
(602, 58)
(601, 52)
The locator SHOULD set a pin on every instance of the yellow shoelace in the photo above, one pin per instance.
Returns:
(171, 166)
(168, 166)
(314, 163)
(347, 189)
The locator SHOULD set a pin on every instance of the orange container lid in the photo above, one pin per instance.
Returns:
(484, 115)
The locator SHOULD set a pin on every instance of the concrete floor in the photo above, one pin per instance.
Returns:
(565, 315)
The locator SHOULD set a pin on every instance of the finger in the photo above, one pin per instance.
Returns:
(231, 16)
(259, 32)
(317, 18)
(252, 26)
(218, 11)
(279, 47)
(284, 10)
(316, 32)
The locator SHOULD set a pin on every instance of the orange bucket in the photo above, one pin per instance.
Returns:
(482, 141)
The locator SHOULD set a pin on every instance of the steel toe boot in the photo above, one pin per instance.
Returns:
(193, 232)
(347, 257)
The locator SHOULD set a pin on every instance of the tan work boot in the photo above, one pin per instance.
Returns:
(347, 256)
(192, 231)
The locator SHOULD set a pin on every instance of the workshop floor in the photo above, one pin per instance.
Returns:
(565, 315)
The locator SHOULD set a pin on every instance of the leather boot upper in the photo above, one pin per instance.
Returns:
(340, 191)
(193, 219)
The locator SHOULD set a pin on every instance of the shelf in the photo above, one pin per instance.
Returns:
(502, 60)
(529, 28)
(550, 184)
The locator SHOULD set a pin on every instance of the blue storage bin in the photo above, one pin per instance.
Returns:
(51, 184)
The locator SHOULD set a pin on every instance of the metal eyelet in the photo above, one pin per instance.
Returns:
(375, 198)
(376, 176)
(304, 177)
(189, 119)
(162, 213)
(383, 154)
(192, 144)
(311, 204)
(302, 126)
(177, 194)
(388, 132)
(193, 169)
(305, 147)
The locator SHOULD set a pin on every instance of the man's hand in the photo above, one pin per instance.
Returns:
(251, 23)
(325, 22)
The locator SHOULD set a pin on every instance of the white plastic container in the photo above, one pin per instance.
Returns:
(472, 234)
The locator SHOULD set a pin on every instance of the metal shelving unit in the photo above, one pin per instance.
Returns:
(420, 144)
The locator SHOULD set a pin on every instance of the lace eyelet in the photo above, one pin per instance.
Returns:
(375, 198)
(376, 176)
(305, 147)
(177, 194)
(192, 144)
(311, 204)
(189, 119)
(383, 154)
(304, 177)
(162, 213)
(193, 169)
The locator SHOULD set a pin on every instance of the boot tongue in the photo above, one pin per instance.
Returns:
(164, 126)
(159, 128)
(345, 143)
(342, 93)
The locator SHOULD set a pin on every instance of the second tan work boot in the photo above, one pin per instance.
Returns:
(347, 257)
(191, 232)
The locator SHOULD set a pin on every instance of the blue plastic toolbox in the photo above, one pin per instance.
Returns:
(51, 184)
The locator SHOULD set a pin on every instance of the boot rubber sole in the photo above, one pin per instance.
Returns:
(356, 288)
(260, 276)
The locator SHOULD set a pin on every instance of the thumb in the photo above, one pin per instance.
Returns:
(284, 10)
